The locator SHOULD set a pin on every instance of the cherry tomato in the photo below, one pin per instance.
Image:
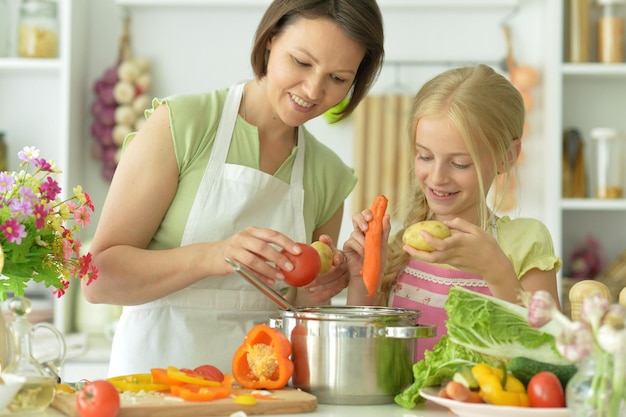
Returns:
(209, 372)
(98, 399)
(545, 390)
(307, 266)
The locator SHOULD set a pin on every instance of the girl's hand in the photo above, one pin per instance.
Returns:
(354, 248)
(469, 248)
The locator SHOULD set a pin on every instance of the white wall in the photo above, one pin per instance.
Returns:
(197, 48)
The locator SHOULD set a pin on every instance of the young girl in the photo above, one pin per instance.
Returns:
(465, 128)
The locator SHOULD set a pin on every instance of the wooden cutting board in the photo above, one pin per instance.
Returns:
(287, 401)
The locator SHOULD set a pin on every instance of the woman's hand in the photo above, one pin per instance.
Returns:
(259, 250)
(327, 285)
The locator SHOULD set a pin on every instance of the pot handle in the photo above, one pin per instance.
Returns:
(275, 322)
(411, 332)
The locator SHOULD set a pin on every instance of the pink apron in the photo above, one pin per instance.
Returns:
(422, 286)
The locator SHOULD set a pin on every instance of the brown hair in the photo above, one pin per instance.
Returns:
(361, 20)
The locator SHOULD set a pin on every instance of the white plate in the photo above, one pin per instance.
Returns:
(462, 409)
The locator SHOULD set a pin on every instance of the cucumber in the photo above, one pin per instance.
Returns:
(524, 369)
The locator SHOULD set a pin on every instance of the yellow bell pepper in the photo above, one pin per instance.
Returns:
(491, 390)
(137, 382)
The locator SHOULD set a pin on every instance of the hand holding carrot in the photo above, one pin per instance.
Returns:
(365, 251)
(373, 246)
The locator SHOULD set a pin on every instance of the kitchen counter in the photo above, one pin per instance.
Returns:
(391, 410)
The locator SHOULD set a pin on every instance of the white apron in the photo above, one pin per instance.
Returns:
(206, 322)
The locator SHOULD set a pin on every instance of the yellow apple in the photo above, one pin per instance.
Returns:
(326, 255)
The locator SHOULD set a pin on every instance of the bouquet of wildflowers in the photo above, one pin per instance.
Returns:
(38, 229)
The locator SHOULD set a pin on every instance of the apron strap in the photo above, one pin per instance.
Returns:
(218, 156)
(219, 153)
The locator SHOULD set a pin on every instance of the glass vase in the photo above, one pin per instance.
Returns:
(6, 345)
(41, 378)
(597, 389)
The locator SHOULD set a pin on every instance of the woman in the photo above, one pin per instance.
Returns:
(233, 174)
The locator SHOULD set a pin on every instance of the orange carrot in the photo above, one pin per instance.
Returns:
(373, 244)
(459, 392)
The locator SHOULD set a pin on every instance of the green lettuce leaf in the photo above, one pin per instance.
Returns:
(494, 327)
(437, 367)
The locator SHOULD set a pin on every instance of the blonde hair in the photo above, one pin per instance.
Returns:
(488, 111)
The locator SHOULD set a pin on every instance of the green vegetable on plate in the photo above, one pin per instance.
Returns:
(485, 329)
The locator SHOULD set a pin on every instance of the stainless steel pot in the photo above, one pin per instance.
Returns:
(352, 355)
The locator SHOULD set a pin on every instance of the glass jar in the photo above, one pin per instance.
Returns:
(591, 391)
(38, 29)
(39, 390)
(578, 30)
(6, 342)
(608, 159)
(610, 32)
(4, 28)
(3, 152)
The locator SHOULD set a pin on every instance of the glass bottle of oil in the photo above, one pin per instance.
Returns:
(40, 386)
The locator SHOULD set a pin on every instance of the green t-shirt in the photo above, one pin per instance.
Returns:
(528, 244)
(194, 119)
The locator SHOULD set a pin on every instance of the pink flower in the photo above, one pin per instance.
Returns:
(43, 165)
(68, 251)
(49, 189)
(13, 231)
(82, 216)
(40, 212)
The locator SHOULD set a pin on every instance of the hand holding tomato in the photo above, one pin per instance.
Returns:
(307, 265)
(98, 399)
(545, 390)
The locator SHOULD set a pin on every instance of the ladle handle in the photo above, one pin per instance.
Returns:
(265, 289)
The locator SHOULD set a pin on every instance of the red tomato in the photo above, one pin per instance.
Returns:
(545, 390)
(98, 399)
(209, 372)
(307, 266)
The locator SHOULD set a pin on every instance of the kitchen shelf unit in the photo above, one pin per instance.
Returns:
(41, 105)
(588, 95)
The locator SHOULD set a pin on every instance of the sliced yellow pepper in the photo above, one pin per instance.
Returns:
(137, 382)
(245, 399)
(491, 389)
(65, 388)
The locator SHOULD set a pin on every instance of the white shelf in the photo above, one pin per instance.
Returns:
(382, 3)
(594, 70)
(29, 64)
(582, 204)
